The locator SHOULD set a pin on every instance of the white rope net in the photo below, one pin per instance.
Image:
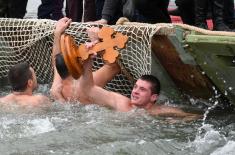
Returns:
(31, 40)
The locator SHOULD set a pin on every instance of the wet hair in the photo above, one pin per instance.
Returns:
(61, 66)
(156, 86)
(19, 75)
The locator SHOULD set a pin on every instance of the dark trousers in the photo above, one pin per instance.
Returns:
(162, 12)
(13, 8)
(51, 9)
(186, 10)
(229, 13)
(218, 10)
(75, 10)
(156, 12)
(99, 7)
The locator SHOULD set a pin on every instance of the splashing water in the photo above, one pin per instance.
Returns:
(208, 139)
(212, 107)
(78, 129)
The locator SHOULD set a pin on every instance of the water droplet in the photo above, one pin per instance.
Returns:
(141, 142)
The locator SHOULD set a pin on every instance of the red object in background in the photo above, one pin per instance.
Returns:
(177, 19)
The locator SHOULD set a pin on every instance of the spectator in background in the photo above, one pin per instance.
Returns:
(152, 11)
(112, 11)
(13, 8)
(75, 10)
(99, 7)
(51, 9)
(217, 10)
(229, 13)
(186, 11)
(148, 11)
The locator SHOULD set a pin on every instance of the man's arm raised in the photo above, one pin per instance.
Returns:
(56, 87)
(106, 73)
(99, 95)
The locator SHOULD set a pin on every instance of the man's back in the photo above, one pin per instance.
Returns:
(71, 91)
(25, 100)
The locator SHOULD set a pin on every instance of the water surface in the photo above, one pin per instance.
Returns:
(77, 129)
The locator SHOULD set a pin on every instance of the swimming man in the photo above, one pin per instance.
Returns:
(65, 87)
(23, 81)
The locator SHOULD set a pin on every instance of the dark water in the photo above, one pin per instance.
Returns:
(76, 129)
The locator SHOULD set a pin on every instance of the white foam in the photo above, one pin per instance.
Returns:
(228, 149)
(208, 140)
(141, 142)
(39, 126)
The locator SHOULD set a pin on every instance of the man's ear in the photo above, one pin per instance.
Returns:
(154, 98)
(30, 83)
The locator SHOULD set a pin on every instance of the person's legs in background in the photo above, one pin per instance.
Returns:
(17, 8)
(164, 8)
(152, 11)
(229, 13)
(57, 9)
(75, 10)
(201, 8)
(99, 7)
(218, 16)
(3, 8)
(90, 11)
(186, 11)
(45, 9)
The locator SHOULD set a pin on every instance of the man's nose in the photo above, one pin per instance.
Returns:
(136, 90)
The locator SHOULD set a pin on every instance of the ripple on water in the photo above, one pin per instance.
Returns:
(77, 129)
(11, 128)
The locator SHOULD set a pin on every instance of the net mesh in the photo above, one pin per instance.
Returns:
(31, 40)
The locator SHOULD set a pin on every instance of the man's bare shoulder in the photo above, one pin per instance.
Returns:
(123, 103)
(41, 99)
(6, 99)
(23, 100)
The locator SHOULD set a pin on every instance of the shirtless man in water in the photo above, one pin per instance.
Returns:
(64, 86)
(23, 81)
(144, 95)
